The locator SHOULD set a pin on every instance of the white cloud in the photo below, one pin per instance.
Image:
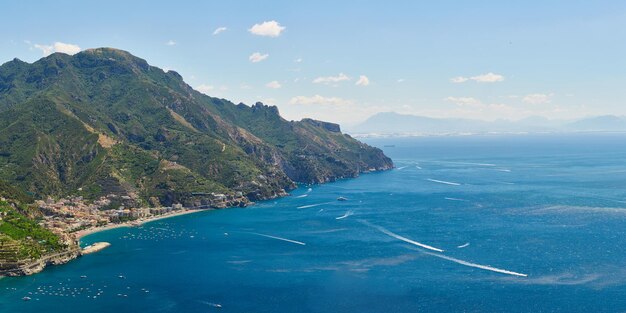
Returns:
(205, 89)
(459, 79)
(58, 47)
(363, 81)
(488, 78)
(319, 100)
(331, 79)
(298, 60)
(273, 84)
(269, 29)
(219, 30)
(464, 101)
(257, 57)
(401, 80)
(484, 78)
(170, 43)
(537, 98)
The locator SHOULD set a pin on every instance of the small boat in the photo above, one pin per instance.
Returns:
(26, 298)
(342, 199)
(215, 305)
(83, 276)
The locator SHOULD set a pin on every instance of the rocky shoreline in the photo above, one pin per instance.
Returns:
(36, 266)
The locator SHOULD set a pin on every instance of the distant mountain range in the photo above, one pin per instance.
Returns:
(390, 124)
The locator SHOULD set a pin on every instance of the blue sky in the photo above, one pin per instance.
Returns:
(343, 61)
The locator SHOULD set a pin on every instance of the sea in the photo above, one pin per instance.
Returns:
(490, 223)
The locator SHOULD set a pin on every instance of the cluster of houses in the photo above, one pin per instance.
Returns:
(73, 214)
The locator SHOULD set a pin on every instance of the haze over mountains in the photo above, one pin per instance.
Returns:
(391, 123)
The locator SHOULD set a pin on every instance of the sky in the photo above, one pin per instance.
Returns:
(343, 61)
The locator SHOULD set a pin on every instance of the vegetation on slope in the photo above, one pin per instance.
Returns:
(21, 238)
(104, 121)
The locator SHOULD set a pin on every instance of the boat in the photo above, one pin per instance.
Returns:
(215, 305)
(83, 276)
(342, 199)
(26, 298)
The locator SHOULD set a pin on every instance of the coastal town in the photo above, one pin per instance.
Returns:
(72, 218)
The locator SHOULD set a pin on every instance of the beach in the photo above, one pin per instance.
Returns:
(82, 233)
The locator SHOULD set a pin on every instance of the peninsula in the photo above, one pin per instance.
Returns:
(103, 138)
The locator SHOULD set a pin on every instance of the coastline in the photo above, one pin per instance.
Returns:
(89, 231)
(39, 265)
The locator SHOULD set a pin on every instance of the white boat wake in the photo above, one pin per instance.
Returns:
(401, 168)
(312, 205)
(280, 238)
(394, 235)
(443, 182)
(418, 167)
(454, 199)
(301, 196)
(348, 213)
(467, 163)
(215, 305)
(463, 245)
(480, 266)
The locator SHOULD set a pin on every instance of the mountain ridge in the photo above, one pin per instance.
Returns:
(105, 121)
(391, 123)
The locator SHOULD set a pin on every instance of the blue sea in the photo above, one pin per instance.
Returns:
(516, 223)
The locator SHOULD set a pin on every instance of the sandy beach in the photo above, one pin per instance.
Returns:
(82, 233)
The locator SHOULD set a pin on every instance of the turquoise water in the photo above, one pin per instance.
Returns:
(549, 207)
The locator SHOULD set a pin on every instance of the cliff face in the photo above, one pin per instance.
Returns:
(25, 246)
(104, 121)
(38, 265)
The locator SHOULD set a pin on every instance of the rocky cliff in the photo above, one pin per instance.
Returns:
(104, 121)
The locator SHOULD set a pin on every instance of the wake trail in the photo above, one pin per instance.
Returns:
(480, 266)
(463, 245)
(401, 168)
(466, 163)
(394, 235)
(279, 238)
(327, 231)
(301, 196)
(455, 199)
(312, 205)
(443, 182)
(418, 167)
(348, 213)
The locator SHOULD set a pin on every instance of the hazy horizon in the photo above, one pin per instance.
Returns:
(480, 60)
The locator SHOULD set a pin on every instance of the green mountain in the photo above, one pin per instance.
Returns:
(104, 121)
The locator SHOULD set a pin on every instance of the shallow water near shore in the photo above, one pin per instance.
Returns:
(481, 223)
